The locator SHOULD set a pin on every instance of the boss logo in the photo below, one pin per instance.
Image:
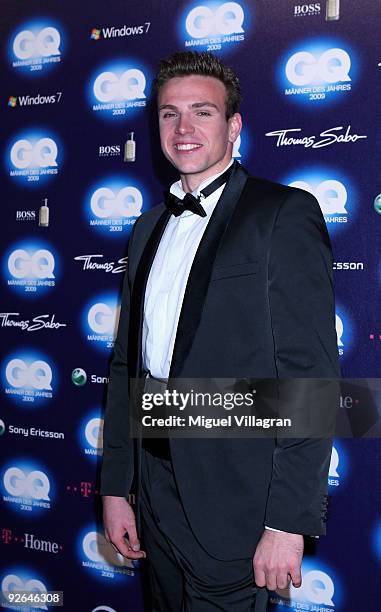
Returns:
(332, 66)
(127, 202)
(37, 375)
(203, 21)
(25, 215)
(26, 155)
(129, 86)
(44, 44)
(307, 9)
(109, 150)
(34, 485)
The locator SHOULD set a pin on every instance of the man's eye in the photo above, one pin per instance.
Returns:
(204, 113)
(168, 115)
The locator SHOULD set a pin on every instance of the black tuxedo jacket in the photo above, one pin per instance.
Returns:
(259, 303)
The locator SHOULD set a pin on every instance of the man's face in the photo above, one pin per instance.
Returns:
(195, 135)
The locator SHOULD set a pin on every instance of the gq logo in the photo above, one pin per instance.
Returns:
(334, 476)
(103, 319)
(305, 68)
(12, 583)
(33, 158)
(35, 47)
(319, 72)
(331, 195)
(94, 433)
(226, 19)
(98, 550)
(344, 332)
(317, 588)
(40, 154)
(30, 269)
(32, 485)
(100, 319)
(339, 333)
(130, 85)
(35, 375)
(213, 25)
(118, 89)
(42, 43)
(28, 377)
(124, 203)
(37, 264)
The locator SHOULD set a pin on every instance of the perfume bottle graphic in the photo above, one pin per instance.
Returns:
(332, 10)
(130, 148)
(43, 217)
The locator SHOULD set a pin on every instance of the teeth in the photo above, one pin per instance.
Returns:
(187, 147)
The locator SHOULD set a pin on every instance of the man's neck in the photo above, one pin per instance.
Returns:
(191, 182)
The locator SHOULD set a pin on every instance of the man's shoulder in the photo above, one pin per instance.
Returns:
(276, 195)
(269, 188)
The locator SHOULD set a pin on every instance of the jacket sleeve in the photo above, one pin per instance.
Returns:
(118, 451)
(302, 309)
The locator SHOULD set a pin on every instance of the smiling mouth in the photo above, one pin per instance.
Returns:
(187, 147)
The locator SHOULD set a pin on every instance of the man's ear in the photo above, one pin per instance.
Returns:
(235, 126)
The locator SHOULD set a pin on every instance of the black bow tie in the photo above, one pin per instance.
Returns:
(177, 205)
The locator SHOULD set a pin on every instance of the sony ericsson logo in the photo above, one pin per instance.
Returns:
(212, 26)
(30, 268)
(333, 191)
(317, 71)
(36, 47)
(100, 557)
(118, 89)
(23, 581)
(28, 377)
(26, 487)
(34, 157)
(100, 321)
(113, 206)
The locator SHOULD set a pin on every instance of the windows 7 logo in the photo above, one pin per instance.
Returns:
(95, 34)
(12, 101)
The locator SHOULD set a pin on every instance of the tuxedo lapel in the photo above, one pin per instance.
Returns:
(137, 298)
(199, 276)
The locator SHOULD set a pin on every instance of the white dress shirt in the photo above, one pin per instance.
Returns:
(168, 279)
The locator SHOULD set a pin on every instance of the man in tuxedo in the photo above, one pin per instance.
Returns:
(233, 280)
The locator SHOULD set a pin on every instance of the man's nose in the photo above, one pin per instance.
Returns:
(184, 125)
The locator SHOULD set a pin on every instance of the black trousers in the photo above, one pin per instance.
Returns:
(183, 576)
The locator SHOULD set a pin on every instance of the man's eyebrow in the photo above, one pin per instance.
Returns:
(200, 104)
(195, 105)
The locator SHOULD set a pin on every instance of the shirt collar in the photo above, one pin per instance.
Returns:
(178, 191)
